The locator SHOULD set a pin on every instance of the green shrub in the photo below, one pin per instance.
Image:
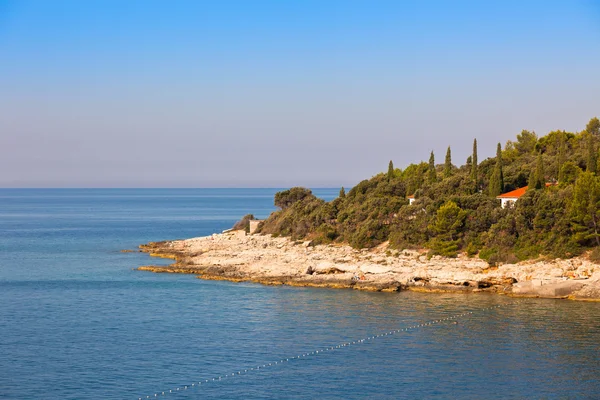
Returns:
(594, 255)
(471, 249)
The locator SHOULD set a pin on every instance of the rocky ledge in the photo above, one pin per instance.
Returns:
(234, 256)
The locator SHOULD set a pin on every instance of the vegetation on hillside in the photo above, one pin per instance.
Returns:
(456, 207)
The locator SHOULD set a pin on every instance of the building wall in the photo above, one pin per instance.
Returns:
(254, 225)
(508, 202)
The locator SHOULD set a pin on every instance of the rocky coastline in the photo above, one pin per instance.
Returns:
(237, 257)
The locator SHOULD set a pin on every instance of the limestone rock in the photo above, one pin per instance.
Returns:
(269, 260)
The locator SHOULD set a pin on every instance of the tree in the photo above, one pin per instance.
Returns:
(286, 198)
(448, 163)
(526, 142)
(390, 173)
(569, 173)
(585, 209)
(342, 193)
(537, 179)
(474, 172)
(448, 223)
(593, 127)
(496, 186)
(431, 177)
(592, 158)
(562, 156)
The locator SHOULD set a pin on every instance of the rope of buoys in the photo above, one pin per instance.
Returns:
(317, 352)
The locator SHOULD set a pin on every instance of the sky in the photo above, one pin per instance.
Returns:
(117, 93)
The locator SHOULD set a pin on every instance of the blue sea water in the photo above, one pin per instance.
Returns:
(78, 322)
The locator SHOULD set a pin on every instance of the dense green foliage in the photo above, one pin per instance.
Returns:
(496, 186)
(448, 163)
(456, 209)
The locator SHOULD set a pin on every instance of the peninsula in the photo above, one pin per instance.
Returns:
(526, 222)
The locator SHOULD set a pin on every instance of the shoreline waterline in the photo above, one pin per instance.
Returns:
(236, 257)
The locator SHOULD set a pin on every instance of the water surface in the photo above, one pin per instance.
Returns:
(79, 323)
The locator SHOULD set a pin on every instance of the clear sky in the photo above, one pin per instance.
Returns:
(280, 93)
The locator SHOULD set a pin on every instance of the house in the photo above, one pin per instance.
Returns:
(411, 199)
(510, 198)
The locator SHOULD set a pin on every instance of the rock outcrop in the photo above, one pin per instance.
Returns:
(235, 256)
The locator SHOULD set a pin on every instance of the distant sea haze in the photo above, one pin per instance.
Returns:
(78, 322)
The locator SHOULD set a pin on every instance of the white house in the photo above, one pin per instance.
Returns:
(411, 199)
(510, 198)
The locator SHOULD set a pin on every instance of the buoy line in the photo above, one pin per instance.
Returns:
(314, 353)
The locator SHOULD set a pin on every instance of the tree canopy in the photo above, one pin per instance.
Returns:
(457, 210)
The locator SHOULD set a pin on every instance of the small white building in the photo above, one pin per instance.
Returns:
(254, 225)
(411, 199)
(510, 198)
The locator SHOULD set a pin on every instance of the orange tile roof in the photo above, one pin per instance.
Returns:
(515, 194)
(412, 196)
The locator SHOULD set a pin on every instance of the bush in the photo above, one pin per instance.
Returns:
(324, 234)
(444, 248)
(594, 255)
(496, 256)
(471, 249)
(286, 198)
(244, 223)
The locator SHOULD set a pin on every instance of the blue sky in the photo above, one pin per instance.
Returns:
(280, 93)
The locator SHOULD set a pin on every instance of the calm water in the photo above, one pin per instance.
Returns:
(76, 322)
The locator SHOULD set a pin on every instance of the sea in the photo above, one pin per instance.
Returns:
(77, 321)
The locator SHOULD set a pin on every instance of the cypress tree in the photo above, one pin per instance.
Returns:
(531, 182)
(431, 173)
(448, 163)
(342, 193)
(390, 173)
(537, 179)
(497, 179)
(540, 182)
(592, 157)
(561, 157)
(474, 172)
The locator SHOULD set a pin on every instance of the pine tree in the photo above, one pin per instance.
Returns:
(342, 193)
(431, 177)
(593, 127)
(474, 172)
(390, 173)
(448, 224)
(448, 163)
(585, 209)
(497, 179)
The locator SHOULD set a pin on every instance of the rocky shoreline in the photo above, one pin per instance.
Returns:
(237, 257)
